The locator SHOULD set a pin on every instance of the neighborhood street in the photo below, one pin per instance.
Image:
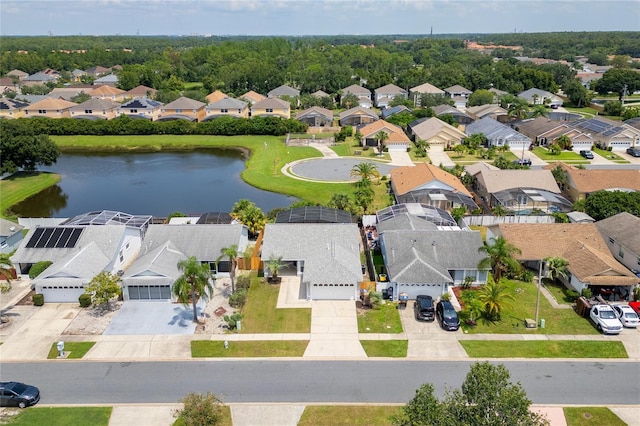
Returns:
(296, 381)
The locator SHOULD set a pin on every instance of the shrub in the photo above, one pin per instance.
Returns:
(5, 287)
(375, 299)
(38, 299)
(200, 409)
(445, 297)
(243, 282)
(572, 295)
(85, 300)
(38, 268)
(238, 299)
(232, 320)
(586, 292)
(527, 276)
(468, 281)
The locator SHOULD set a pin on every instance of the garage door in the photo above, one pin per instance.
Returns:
(149, 292)
(333, 291)
(619, 145)
(433, 290)
(60, 294)
(396, 147)
(436, 147)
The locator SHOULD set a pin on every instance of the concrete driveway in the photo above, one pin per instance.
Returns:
(153, 318)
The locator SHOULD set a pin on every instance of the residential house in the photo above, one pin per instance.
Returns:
(587, 78)
(39, 79)
(427, 184)
(316, 117)
(583, 182)
(581, 244)
(608, 134)
(10, 236)
(518, 191)
(461, 118)
(68, 93)
(416, 93)
(226, 107)
(140, 92)
(621, 233)
(422, 258)
(183, 109)
(153, 272)
(320, 94)
(7, 85)
(357, 116)
(283, 90)
(387, 93)
(457, 91)
(438, 134)
(95, 109)
(497, 94)
(314, 214)
(390, 111)
(11, 108)
(494, 111)
(499, 134)
(77, 75)
(252, 97)
(545, 132)
(19, 74)
(79, 249)
(141, 108)
(108, 80)
(96, 72)
(535, 96)
(108, 92)
(396, 139)
(271, 107)
(49, 107)
(329, 269)
(633, 122)
(363, 95)
(215, 96)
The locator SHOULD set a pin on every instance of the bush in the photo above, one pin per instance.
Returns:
(232, 320)
(85, 300)
(38, 268)
(445, 297)
(200, 409)
(243, 282)
(586, 293)
(238, 299)
(573, 295)
(5, 287)
(38, 299)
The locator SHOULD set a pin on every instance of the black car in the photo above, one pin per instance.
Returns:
(16, 394)
(523, 162)
(587, 154)
(447, 316)
(423, 308)
(634, 152)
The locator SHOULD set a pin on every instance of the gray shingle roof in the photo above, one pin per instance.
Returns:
(156, 267)
(283, 90)
(624, 228)
(228, 103)
(494, 130)
(184, 103)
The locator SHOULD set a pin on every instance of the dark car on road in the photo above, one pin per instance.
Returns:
(447, 316)
(634, 152)
(16, 394)
(587, 154)
(523, 162)
(423, 308)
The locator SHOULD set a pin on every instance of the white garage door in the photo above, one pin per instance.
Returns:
(149, 292)
(396, 147)
(333, 291)
(580, 146)
(619, 145)
(60, 294)
(413, 290)
(436, 147)
(518, 144)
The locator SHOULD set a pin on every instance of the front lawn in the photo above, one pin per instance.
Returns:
(559, 292)
(610, 155)
(384, 319)
(260, 348)
(591, 416)
(557, 321)
(466, 158)
(544, 349)
(347, 415)
(260, 315)
(62, 416)
(545, 155)
(385, 348)
(22, 185)
(76, 349)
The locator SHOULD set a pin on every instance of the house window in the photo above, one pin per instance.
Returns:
(224, 110)
(269, 109)
(239, 111)
(134, 111)
(611, 240)
(639, 261)
(42, 111)
(179, 111)
(88, 111)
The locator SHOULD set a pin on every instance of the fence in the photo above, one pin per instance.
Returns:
(480, 220)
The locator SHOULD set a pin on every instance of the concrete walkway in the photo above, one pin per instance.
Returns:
(334, 330)
(400, 158)
(324, 149)
(440, 158)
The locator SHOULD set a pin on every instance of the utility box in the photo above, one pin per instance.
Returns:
(542, 323)
(529, 323)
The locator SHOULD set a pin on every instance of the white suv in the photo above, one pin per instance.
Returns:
(605, 319)
(626, 315)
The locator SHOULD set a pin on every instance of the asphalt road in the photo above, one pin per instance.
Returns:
(262, 381)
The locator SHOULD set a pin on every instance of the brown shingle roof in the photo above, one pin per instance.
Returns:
(405, 179)
(252, 96)
(50, 104)
(215, 96)
(141, 91)
(106, 91)
(501, 180)
(396, 134)
(591, 180)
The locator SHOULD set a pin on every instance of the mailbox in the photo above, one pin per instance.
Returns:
(60, 347)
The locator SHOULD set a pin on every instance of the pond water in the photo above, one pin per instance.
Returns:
(156, 184)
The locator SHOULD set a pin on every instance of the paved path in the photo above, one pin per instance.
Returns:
(334, 330)
(441, 158)
(400, 158)
(535, 160)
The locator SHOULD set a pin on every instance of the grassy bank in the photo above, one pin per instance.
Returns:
(261, 348)
(544, 349)
(63, 416)
(22, 185)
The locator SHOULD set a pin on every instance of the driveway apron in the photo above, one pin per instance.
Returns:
(334, 330)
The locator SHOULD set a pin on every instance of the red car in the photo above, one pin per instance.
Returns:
(635, 306)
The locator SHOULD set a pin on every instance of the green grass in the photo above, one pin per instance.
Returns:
(610, 155)
(193, 85)
(76, 349)
(544, 349)
(261, 348)
(466, 158)
(347, 415)
(226, 419)
(385, 348)
(559, 292)
(260, 315)
(385, 319)
(557, 321)
(22, 185)
(594, 416)
(62, 416)
(544, 154)
(585, 112)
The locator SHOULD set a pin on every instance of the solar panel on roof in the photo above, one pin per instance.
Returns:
(53, 239)
(44, 238)
(62, 241)
(35, 237)
(73, 239)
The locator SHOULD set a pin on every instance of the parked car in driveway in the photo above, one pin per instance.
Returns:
(634, 152)
(447, 316)
(16, 394)
(627, 316)
(605, 319)
(587, 154)
(423, 308)
(522, 162)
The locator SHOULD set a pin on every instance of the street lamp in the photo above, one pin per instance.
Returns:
(539, 285)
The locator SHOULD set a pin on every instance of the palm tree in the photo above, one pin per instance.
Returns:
(494, 298)
(274, 264)
(558, 267)
(538, 111)
(499, 257)
(381, 137)
(194, 282)
(564, 142)
(365, 171)
(5, 271)
(232, 253)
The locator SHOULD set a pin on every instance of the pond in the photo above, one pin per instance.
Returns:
(155, 184)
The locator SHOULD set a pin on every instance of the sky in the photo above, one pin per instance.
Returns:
(313, 17)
